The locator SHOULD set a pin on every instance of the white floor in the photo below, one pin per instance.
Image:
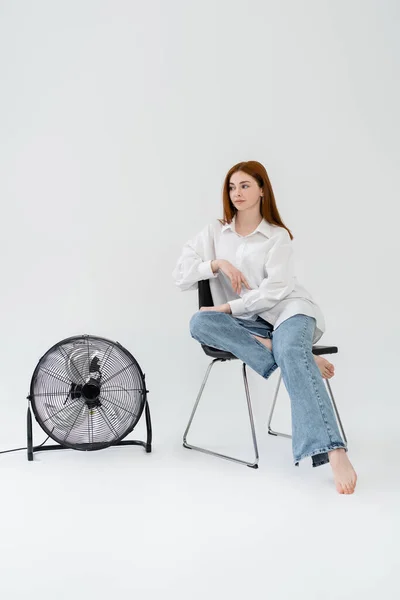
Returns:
(181, 524)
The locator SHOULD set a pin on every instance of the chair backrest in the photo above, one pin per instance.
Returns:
(205, 297)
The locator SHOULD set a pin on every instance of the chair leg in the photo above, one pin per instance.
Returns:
(253, 465)
(271, 432)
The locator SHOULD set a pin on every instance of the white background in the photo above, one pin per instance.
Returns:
(118, 123)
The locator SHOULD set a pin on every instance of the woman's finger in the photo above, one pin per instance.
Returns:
(246, 283)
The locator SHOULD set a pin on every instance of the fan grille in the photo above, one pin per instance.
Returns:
(87, 392)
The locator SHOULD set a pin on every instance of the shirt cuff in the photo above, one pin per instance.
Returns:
(237, 306)
(206, 271)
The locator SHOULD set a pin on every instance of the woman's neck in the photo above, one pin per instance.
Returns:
(245, 222)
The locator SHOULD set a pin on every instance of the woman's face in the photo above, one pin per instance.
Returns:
(244, 191)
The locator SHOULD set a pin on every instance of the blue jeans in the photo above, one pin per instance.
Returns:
(314, 426)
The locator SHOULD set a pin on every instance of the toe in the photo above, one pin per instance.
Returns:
(339, 488)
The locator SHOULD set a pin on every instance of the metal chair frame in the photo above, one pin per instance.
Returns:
(253, 464)
(205, 299)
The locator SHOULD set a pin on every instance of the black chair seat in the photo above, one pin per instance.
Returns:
(224, 355)
(215, 353)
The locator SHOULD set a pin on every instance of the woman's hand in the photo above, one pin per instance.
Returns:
(237, 278)
(221, 308)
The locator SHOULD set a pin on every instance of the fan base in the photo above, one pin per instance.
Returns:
(84, 447)
(59, 447)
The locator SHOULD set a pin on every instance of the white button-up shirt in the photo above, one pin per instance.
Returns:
(265, 257)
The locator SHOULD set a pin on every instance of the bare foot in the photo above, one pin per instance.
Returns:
(343, 472)
(326, 368)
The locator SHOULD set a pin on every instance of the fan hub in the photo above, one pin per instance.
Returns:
(91, 393)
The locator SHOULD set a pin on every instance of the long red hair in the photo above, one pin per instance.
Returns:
(268, 208)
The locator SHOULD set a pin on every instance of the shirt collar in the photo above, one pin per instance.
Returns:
(264, 227)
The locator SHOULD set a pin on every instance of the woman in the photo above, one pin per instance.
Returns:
(261, 314)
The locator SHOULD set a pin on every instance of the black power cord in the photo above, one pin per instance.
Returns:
(17, 449)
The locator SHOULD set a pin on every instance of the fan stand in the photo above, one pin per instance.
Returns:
(31, 448)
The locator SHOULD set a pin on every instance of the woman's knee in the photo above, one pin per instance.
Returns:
(293, 337)
(198, 322)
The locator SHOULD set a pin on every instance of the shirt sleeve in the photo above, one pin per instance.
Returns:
(191, 266)
(279, 282)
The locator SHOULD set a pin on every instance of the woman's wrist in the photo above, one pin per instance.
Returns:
(214, 265)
